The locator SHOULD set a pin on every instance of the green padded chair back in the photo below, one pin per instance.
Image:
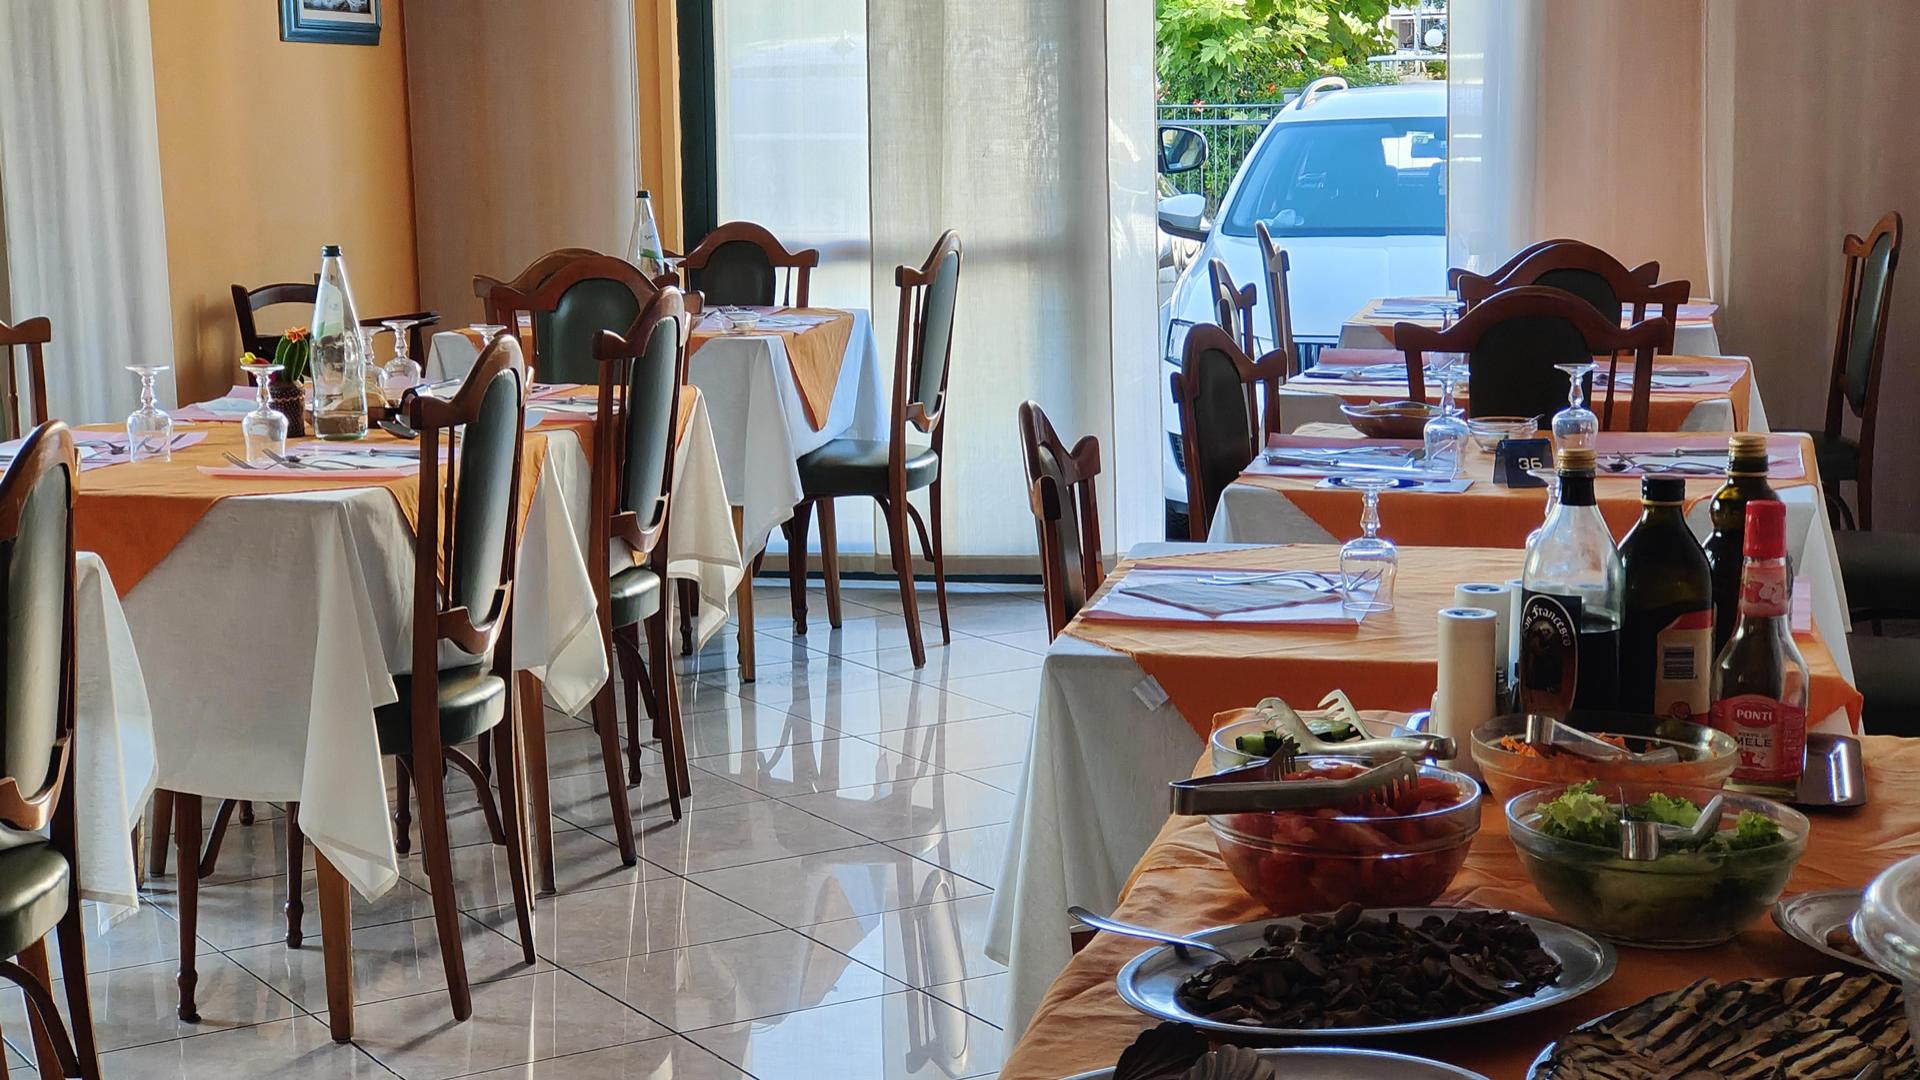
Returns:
(738, 272)
(936, 333)
(1511, 370)
(39, 565)
(1224, 427)
(564, 336)
(482, 511)
(650, 422)
(1584, 284)
(1874, 277)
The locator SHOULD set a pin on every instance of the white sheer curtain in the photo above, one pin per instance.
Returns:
(80, 175)
(1492, 95)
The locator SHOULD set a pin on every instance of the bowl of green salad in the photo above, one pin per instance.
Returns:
(1689, 897)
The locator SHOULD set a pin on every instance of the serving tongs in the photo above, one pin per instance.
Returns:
(1283, 721)
(1642, 841)
(1544, 730)
(1263, 785)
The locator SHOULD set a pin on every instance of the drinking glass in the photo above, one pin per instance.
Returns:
(1368, 559)
(1446, 435)
(1552, 477)
(149, 428)
(486, 331)
(1575, 425)
(403, 371)
(264, 429)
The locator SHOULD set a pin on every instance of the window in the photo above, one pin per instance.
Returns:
(1346, 178)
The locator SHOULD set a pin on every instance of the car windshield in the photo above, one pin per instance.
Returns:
(1347, 178)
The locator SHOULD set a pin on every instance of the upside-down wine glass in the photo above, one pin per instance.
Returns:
(1369, 562)
(1446, 435)
(149, 428)
(403, 371)
(264, 429)
(1576, 425)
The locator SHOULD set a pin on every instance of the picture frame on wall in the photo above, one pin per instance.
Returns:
(331, 22)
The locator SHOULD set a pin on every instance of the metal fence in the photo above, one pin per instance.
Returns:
(1230, 132)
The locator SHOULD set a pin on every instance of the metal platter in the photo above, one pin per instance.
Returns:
(1149, 981)
(1311, 1063)
(1810, 916)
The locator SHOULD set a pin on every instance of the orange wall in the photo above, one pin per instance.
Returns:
(268, 150)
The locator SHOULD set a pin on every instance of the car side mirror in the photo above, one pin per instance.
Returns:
(1185, 215)
(1182, 149)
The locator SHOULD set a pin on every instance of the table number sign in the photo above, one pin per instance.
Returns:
(1513, 460)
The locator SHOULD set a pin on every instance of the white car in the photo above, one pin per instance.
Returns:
(1352, 182)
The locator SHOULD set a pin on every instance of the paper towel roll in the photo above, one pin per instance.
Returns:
(1498, 599)
(1463, 698)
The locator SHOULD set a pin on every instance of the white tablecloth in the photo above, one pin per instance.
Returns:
(1689, 339)
(113, 763)
(1301, 404)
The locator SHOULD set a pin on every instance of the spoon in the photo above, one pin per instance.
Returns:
(1180, 944)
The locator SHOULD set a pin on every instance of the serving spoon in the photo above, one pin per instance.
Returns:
(1180, 944)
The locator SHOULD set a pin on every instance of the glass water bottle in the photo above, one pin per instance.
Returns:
(338, 361)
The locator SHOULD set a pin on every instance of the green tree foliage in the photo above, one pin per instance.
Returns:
(1232, 51)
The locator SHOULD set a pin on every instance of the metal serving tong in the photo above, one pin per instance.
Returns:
(1544, 730)
(1641, 841)
(1288, 724)
(1262, 785)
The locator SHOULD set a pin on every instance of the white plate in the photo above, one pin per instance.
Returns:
(1149, 981)
(1808, 917)
(1308, 1063)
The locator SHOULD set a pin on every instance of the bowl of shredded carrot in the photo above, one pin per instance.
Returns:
(1701, 756)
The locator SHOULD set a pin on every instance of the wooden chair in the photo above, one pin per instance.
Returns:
(33, 334)
(1859, 340)
(887, 471)
(1589, 273)
(39, 878)
(739, 263)
(1455, 273)
(1066, 514)
(247, 302)
(1232, 305)
(570, 297)
(1228, 407)
(1514, 338)
(1273, 260)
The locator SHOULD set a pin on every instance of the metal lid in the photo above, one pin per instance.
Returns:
(1747, 444)
(1576, 459)
(330, 251)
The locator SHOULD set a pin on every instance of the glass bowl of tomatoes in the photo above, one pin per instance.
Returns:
(1402, 852)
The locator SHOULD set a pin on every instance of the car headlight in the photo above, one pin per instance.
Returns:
(1177, 330)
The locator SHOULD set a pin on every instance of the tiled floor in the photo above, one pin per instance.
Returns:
(820, 911)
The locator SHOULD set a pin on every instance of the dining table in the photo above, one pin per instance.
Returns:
(1372, 326)
(298, 585)
(1180, 885)
(799, 378)
(1688, 393)
(1293, 494)
(1126, 703)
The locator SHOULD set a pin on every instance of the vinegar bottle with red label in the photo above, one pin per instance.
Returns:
(1760, 679)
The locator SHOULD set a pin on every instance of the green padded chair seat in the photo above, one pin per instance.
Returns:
(472, 700)
(1838, 458)
(1881, 570)
(635, 593)
(1887, 671)
(859, 467)
(33, 892)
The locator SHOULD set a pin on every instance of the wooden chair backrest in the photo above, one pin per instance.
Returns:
(740, 262)
(1233, 305)
(1229, 405)
(641, 377)
(37, 660)
(1589, 273)
(1866, 299)
(1273, 259)
(569, 300)
(923, 350)
(33, 335)
(1066, 514)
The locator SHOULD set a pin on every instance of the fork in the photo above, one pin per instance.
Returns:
(1312, 578)
(238, 463)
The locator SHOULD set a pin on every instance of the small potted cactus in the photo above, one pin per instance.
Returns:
(289, 392)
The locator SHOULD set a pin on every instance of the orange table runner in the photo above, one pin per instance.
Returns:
(1180, 884)
(133, 515)
(1667, 409)
(1488, 515)
(1388, 661)
(815, 353)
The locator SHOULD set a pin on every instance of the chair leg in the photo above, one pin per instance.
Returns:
(743, 596)
(162, 833)
(296, 875)
(896, 512)
(606, 724)
(533, 736)
(186, 836)
(209, 856)
(73, 970)
(512, 813)
(53, 1058)
(1863, 494)
(246, 811)
(688, 605)
(626, 647)
(483, 757)
(672, 745)
(939, 556)
(796, 530)
(830, 560)
(456, 757)
(429, 776)
(403, 807)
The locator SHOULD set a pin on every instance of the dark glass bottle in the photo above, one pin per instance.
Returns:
(1666, 628)
(1760, 680)
(1746, 483)
(1571, 593)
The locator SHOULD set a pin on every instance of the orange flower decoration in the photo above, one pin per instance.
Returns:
(295, 333)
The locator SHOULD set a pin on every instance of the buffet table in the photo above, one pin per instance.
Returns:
(1112, 728)
(1181, 885)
